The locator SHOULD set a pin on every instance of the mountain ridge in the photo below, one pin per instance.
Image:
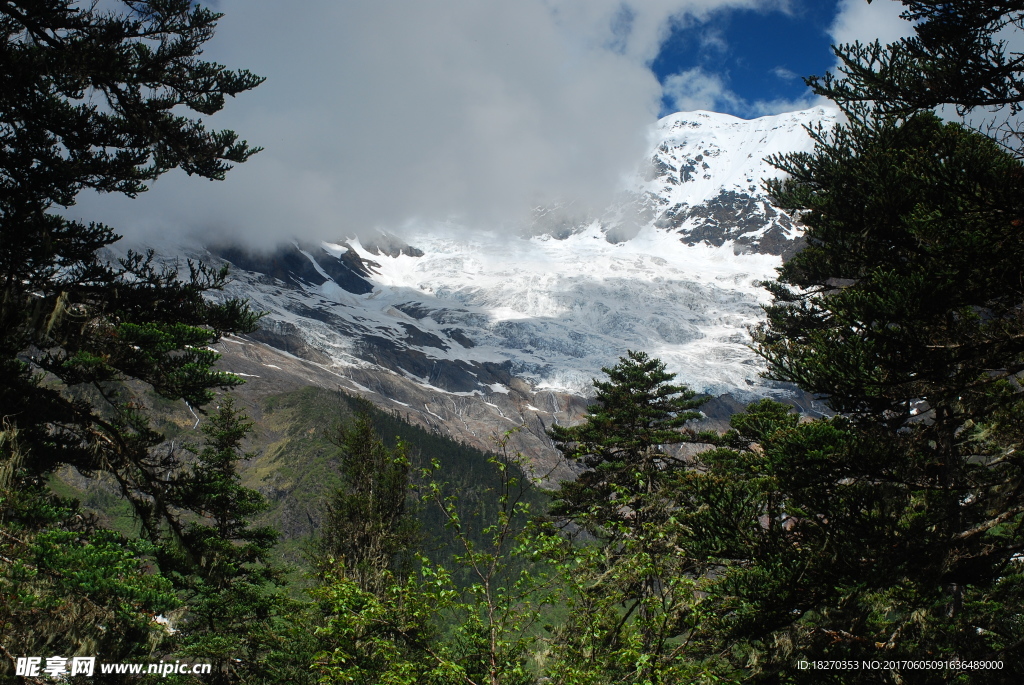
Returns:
(483, 331)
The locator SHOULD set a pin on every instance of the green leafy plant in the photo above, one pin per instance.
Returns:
(427, 626)
(631, 587)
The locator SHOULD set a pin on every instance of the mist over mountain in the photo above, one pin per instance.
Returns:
(476, 333)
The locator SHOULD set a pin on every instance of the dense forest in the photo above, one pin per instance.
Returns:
(880, 544)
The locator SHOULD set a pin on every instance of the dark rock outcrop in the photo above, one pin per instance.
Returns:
(748, 220)
(298, 266)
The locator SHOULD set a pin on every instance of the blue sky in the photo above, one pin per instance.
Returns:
(392, 112)
(759, 55)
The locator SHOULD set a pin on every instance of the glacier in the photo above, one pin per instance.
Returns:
(672, 267)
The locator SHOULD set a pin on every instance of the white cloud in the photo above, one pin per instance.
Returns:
(785, 74)
(377, 113)
(856, 20)
(761, 108)
(697, 88)
(713, 40)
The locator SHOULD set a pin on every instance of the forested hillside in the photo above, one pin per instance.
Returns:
(154, 513)
(292, 461)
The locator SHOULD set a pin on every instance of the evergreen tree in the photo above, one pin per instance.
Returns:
(631, 596)
(915, 337)
(893, 531)
(422, 625)
(636, 414)
(221, 563)
(959, 56)
(88, 103)
(61, 576)
(794, 545)
(368, 527)
(94, 97)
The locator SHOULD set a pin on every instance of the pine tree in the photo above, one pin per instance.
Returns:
(61, 576)
(915, 337)
(368, 527)
(959, 56)
(221, 563)
(793, 546)
(636, 413)
(95, 97)
(379, 624)
(630, 596)
(87, 104)
(892, 531)
(471, 619)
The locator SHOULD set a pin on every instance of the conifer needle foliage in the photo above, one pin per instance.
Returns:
(104, 97)
(636, 414)
(368, 527)
(892, 531)
(630, 592)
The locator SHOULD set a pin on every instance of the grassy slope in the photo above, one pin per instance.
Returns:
(294, 465)
(297, 469)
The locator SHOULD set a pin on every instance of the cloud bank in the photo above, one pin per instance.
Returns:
(378, 114)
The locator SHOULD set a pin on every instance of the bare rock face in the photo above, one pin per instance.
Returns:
(746, 220)
(704, 178)
(477, 419)
(390, 245)
(297, 266)
(517, 410)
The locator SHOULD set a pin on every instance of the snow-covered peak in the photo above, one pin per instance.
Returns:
(671, 268)
(697, 155)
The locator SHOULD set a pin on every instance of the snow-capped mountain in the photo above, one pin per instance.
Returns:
(511, 328)
(704, 180)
